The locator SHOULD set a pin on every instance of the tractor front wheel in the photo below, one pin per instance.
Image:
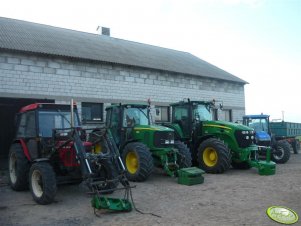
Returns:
(138, 161)
(18, 168)
(214, 156)
(42, 183)
(281, 152)
(184, 156)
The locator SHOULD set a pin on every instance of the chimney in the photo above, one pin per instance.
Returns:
(104, 30)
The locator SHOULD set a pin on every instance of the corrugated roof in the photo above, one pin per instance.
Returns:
(38, 38)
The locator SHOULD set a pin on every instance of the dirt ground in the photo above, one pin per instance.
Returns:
(235, 198)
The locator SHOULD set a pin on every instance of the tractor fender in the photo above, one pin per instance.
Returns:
(41, 160)
(126, 143)
(199, 141)
(24, 147)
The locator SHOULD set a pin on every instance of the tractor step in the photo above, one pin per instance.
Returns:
(190, 176)
(111, 203)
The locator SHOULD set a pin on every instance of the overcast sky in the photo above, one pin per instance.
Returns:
(257, 40)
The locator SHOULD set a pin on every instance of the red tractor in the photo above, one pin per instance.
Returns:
(50, 150)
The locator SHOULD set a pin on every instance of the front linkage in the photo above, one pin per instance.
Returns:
(95, 169)
(266, 167)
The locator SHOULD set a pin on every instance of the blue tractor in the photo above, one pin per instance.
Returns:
(280, 152)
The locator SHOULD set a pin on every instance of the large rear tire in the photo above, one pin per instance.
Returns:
(108, 172)
(281, 152)
(42, 183)
(18, 168)
(138, 161)
(184, 157)
(214, 156)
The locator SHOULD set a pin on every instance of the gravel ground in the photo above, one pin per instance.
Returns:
(235, 198)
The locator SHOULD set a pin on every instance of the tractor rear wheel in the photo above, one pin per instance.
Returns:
(138, 161)
(18, 168)
(214, 156)
(184, 157)
(42, 182)
(241, 165)
(281, 152)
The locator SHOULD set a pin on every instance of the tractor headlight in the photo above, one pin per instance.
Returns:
(169, 141)
(172, 141)
(247, 137)
(245, 132)
(252, 137)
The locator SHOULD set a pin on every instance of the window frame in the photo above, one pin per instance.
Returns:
(160, 109)
(90, 105)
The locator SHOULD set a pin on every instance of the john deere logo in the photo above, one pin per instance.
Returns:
(282, 214)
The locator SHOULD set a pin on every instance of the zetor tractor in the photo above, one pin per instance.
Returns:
(215, 145)
(261, 124)
(48, 151)
(143, 145)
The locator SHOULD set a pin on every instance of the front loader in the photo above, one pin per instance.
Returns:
(143, 145)
(50, 148)
(215, 145)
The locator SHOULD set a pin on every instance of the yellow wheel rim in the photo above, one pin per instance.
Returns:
(131, 162)
(210, 156)
(97, 148)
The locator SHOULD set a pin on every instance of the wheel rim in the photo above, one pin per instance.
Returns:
(37, 183)
(279, 153)
(97, 148)
(131, 161)
(210, 156)
(13, 167)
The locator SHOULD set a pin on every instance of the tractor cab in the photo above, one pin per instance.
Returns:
(189, 115)
(260, 123)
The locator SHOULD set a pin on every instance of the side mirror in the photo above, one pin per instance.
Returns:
(221, 106)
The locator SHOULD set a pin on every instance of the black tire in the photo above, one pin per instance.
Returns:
(138, 161)
(214, 156)
(281, 152)
(184, 157)
(108, 172)
(241, 165)
(42, 183)
(18, 168)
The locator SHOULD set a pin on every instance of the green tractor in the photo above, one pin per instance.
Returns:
(143, 145)
(216, 145)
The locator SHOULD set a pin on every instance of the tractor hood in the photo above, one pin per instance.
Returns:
(226, 125)
(152, 128)
(263, 136)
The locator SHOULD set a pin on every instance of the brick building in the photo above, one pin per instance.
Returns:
(51, 64)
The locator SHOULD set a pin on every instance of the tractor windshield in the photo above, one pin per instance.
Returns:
(258, 124)
(135, 116)
(201, 112)
(49, 120)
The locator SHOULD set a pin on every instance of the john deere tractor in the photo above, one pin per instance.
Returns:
(215, 145)
(143, 145)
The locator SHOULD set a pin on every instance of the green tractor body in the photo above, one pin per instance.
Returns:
(215, 145)
(143, 145)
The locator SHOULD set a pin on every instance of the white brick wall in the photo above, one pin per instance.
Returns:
(28, 76)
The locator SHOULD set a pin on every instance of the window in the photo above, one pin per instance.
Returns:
(27, 126)
(92, 112)
(228, 115)
(162, 114)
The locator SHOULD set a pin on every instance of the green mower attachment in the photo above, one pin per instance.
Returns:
(100, 202)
